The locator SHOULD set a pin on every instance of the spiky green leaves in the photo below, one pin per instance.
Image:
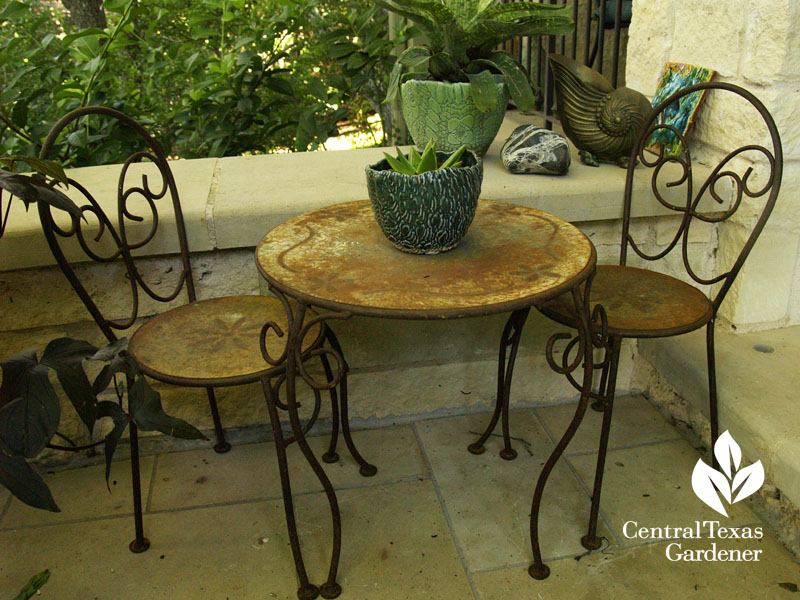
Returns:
(416, 163)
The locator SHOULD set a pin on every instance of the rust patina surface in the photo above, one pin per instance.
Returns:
(512, 257)
(641, 303)
(215, 339)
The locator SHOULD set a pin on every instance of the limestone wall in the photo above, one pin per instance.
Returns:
(755, 45)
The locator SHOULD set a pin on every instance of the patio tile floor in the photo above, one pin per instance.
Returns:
(435, 522)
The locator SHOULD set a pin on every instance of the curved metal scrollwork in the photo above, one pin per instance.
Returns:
(109, 242)
(294, 315)
(312, 419)
(598, 338)
(726, 186)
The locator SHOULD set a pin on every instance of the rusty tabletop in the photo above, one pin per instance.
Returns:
(512, 257)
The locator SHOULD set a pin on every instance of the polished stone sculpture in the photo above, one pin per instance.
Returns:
(601, 121)
(532, 149)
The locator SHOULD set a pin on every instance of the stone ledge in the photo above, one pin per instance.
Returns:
(756, 393)
(232, 202)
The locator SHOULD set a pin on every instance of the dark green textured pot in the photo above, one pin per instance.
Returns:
(427, 213)
(447, 113)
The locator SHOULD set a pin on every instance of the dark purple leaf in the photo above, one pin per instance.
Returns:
(122, 363)
(25, 483)
(14, 369)
(121, 420)
(149, 415)
(65, 356)
(28, 422)
(66, 351)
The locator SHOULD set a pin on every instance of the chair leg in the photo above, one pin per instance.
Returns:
(366, 469)
(307, 591)
(712, 390)
(221, 446)
(591, 541)
(140, 543)
(512, 332)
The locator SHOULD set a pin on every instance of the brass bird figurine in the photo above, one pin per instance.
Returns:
(601, 121)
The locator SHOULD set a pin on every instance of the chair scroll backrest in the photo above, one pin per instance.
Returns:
(105, 241)
(750, 158)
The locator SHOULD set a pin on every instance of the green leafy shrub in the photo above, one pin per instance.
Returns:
(208, 78)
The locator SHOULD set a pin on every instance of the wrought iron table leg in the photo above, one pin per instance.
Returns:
(510, 338)
(590, 541)
(306, 591)
(539, 570)
(366, 469)
(329, 589)
(331, 456)
(598, 404)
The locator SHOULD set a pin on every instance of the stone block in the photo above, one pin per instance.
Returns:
(253, 194)
(728, 122)
(710, 34)
(699, 231)
(772, 39)
(762, 291)
(650, 38)
(39, 297)
(786, 214)
(24, 245)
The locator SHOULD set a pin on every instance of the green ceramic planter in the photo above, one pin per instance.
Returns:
(427, 213)
(447, 113)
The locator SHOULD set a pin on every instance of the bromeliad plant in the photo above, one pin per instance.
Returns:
(461, 39)
(416, 163)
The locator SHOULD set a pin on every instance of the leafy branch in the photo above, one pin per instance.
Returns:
(30, 410)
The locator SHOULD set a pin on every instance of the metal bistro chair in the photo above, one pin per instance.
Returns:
(644, 304)
(210, 343)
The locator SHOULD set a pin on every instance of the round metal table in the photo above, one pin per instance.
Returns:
(513, 258)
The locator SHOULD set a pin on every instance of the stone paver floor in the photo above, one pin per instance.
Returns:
(436, 522)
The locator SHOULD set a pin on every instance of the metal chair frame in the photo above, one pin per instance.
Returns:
(604, 398)
(271, 377)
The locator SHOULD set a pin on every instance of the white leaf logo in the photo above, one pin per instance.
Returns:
(709, 484)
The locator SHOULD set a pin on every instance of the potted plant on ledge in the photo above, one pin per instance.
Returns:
(457, 82)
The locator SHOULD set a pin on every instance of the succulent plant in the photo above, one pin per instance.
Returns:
(461, 39)
(416, 163)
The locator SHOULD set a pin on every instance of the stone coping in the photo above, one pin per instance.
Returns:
(232, 202)
(756, 392)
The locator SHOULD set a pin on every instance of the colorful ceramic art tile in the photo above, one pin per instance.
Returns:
(680, 114)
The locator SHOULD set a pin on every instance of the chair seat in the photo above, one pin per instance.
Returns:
(213, 342)
(640, 303)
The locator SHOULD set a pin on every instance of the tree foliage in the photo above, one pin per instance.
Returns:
(208, 77)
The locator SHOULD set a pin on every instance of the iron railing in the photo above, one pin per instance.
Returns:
(588, 40)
